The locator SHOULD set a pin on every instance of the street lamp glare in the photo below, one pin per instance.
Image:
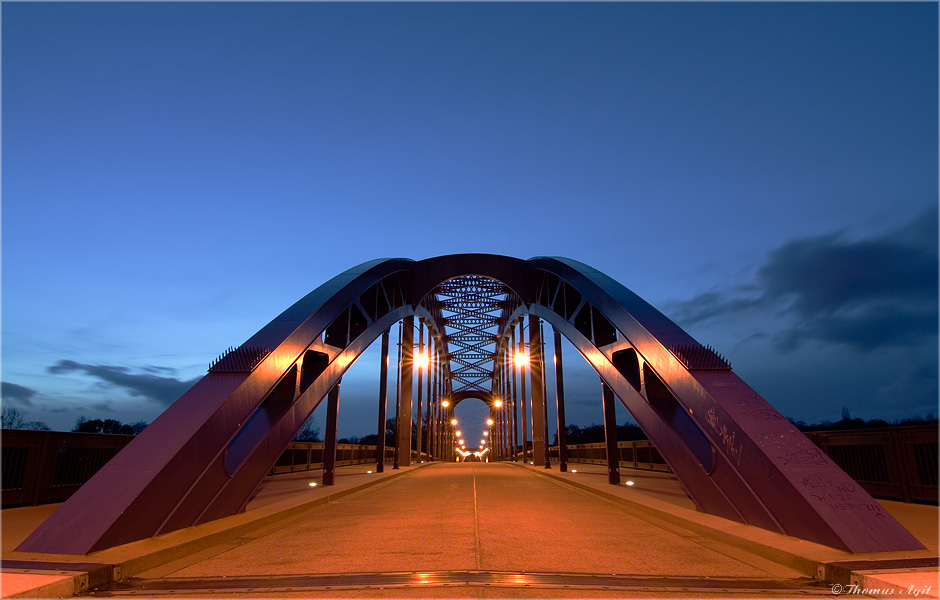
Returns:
(422, 361)
(521, 359)
(489, 422)
(445, 403)
(498, 403)
(453, 421)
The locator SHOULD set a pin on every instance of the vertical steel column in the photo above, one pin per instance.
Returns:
(515, 420)
(383, 406)
(522, 374)
(548, 463)
(420, 388)
(539, 449)
(329, 441)
(428, 414)
(398, 398)
(560, 405)
(433, 399)
(406, 401)
(610, 435)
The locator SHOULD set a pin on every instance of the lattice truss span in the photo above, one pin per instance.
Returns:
(471, 308)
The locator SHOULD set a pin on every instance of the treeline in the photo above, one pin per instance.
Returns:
(83, 425)
(595, 433)
(847, 422)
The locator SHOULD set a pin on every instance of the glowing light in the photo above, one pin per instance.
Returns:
(520, 359)
(458, 433)
(369, 472)
(445, 403)
(482, 443)
(312, 484)
(453, 421)
(498, 403)
(460, 442)
(574, 470)
(486, 433)
(422, 361)
(489, 422)
(629, 483)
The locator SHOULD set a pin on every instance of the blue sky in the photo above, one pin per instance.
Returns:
(176, 174)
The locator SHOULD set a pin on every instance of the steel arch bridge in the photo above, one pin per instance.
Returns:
(735, 454)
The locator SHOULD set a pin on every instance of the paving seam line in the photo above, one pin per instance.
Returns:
(110, 571)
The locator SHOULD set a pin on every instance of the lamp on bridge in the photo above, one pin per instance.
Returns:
(421, 361)
(445, 403)
(520, 359)
(498, 403)
(453, 421)
(489, 422)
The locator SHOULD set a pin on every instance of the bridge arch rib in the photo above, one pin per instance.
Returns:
(735, 454)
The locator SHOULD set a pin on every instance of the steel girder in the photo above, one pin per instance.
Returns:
(735, 454)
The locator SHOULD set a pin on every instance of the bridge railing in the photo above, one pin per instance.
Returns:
(897, 463)
(41, 467)
(894, 463)
(636, 454)
(308, 456)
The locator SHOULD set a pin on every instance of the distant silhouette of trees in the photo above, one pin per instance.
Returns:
(373, 439)
(594, 433)
(310, 432)
(848, 422)
(14, 419)
(112, 426)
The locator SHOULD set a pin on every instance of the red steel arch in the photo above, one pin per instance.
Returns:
(735, 454)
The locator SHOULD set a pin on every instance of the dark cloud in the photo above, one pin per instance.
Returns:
(869, 293)
(18, 394)
(163, 390)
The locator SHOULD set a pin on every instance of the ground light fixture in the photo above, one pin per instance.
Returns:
(628, 483)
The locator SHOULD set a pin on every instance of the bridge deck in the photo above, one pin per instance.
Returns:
(471, 530)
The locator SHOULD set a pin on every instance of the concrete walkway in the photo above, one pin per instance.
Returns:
(498, 524)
